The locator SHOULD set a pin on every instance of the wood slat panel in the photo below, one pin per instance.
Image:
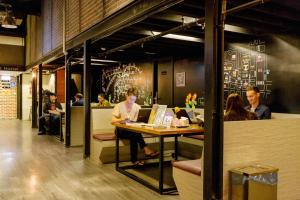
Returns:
(273, 142)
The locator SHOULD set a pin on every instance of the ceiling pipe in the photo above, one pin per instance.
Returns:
(197, 22)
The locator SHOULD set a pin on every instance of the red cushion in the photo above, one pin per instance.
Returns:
(192, 166)
(110, 136)
(104, 136)
(198, 137)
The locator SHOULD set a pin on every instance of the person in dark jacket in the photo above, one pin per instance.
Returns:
(253, 97)
(235, 110)
(78, 100)
(53, 104)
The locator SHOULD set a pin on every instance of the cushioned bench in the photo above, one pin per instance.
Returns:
(104, 147)
(197, 137)
(188, 179)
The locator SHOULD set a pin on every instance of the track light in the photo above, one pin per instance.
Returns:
(8, 20)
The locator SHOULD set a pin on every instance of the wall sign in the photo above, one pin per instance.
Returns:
(180, 79)
(12, 68)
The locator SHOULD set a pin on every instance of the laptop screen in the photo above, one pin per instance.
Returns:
(143, 115)
(183, 113)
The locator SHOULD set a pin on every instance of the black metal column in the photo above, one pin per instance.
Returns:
(68, 106)
(214, 97)
(19, 97)
(34, 100)
(40, 90)
(87, 96)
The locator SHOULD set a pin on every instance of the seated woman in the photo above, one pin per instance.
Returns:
(128, 111)
(235, 110)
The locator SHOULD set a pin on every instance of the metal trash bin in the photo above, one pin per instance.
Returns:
(255, 182)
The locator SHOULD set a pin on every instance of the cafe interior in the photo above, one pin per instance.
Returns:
(180, 55)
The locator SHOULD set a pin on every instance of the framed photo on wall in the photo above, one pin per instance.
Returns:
(180, 79)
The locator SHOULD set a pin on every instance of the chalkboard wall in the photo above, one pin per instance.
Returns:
(281, 74)
(284, 61)
(271, 62)
(116, 80)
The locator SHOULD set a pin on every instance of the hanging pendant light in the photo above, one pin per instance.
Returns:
(9, 21)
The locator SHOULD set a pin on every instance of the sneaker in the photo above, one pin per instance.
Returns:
(41, 133)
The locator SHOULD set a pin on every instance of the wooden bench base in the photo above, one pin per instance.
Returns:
(188, 179)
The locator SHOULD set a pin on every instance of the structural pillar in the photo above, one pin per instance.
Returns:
(34, 100)
(214, 100)
(40, 104)
(87, 96)
(68, 99)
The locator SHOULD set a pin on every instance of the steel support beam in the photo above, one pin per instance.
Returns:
(68, 101)
(34, 100)
(214, 98)
(19, 97)
(87, 96)
(40, 90)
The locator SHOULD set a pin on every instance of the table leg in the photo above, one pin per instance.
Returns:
(161, 164)
(176, 148)
(117, 150)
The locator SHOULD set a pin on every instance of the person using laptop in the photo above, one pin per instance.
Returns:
(235, 110)
(253, 97)
(127, 111)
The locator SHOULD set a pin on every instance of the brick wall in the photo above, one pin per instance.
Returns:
(45, 33)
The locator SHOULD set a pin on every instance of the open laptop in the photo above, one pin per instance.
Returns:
(182, 113)
(143, 115)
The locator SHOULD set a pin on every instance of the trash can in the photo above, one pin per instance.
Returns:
(255, 182)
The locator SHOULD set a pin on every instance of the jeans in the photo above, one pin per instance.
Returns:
(135, 139)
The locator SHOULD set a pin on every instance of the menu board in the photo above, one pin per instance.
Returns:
(247, 65)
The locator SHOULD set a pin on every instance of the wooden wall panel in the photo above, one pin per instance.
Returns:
(72, 18)
(11, 55)
(60, 85)
(90, 13)
(273, 142)
(46, 13)
(45, 33)
(57, 23)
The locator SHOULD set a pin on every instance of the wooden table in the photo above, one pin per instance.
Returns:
(162, 133)
(60, 114)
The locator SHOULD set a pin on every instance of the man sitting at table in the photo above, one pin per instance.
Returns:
(78, 100)
(53, 120)
(126, 111)
(253, 97)
(102, 100)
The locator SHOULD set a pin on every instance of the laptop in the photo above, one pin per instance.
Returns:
(143, 115)
(182, 113)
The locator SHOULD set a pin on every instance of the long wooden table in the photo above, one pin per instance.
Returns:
(162, 133)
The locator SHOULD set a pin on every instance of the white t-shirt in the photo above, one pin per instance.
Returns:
(120, 111)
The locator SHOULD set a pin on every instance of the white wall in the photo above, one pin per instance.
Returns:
(26, 96)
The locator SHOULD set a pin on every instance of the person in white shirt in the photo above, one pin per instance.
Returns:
(127, 111)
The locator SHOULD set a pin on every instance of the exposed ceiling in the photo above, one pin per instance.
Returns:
(20, 9)
(271, 17)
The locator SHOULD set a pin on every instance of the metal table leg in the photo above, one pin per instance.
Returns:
(161, 164)
(117, 150)
(176, 148)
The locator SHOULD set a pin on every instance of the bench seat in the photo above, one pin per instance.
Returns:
(104, 142)
(188, 179)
